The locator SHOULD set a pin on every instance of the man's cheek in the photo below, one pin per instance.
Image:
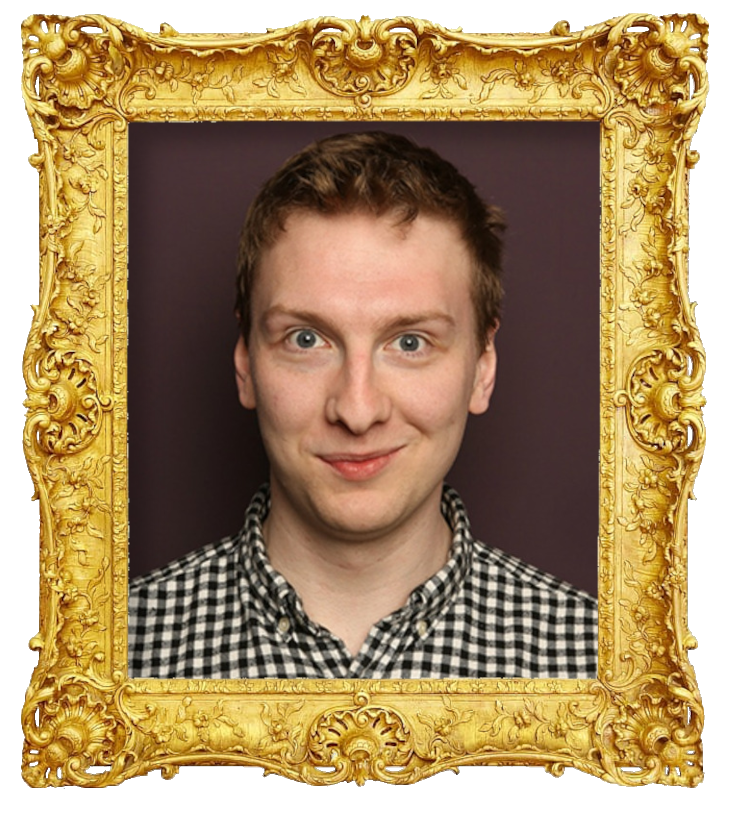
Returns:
(433, 407)
(282, 406)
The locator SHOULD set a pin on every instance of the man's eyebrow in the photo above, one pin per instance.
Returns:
(402, 321)
(410, 320)
(299, 315)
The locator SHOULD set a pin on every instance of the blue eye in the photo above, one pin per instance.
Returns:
(305, 338)
(409, 343)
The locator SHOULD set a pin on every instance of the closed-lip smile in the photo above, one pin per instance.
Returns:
(359, 466)
(358, 456)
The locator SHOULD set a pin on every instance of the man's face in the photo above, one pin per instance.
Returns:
(363, 363)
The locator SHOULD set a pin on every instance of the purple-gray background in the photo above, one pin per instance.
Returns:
(528, 469)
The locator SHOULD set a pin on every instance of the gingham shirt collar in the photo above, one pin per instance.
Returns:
(276, 598)
(224, 612)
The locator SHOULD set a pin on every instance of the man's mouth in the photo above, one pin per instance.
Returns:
(360, 466)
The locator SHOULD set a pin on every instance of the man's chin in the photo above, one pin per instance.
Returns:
(364, 516)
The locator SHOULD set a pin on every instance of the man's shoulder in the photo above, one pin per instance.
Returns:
(517, 620)
(496, 570)
(212, 556)
(176, 612)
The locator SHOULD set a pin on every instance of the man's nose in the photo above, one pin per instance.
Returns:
(356, 398)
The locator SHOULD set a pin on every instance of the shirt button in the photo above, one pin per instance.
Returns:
(422, 627)
(283, 625)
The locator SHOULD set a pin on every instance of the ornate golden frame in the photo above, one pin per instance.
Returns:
(644, 79)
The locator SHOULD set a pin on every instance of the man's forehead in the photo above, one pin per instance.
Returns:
(360, 246)
(368, 239)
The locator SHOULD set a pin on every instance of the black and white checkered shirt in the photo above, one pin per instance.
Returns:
(224, 612)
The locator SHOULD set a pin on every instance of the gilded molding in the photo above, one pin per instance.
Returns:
(654, 67)
(365, 59)
(665, 401)
(70, 725)
(361, 742)
(84, 80)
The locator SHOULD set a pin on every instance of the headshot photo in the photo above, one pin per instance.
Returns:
(363, 400)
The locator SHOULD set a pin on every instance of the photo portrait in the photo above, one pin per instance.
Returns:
(195, 454)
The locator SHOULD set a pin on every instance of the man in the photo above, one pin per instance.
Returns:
(369, 299)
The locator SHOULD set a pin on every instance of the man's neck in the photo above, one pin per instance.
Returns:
(346, 585)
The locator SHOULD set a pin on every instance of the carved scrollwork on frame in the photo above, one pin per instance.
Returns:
(85, 79)
(656, 735)
(665, 401)
(369, 58)
(66, 409)
(361, 742)
(654, 65)
(70, 66)
(71, 725)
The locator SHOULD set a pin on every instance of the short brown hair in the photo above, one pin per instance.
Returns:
(379, 173)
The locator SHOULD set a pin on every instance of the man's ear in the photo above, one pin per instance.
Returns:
(485, 376)
(243, 370)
